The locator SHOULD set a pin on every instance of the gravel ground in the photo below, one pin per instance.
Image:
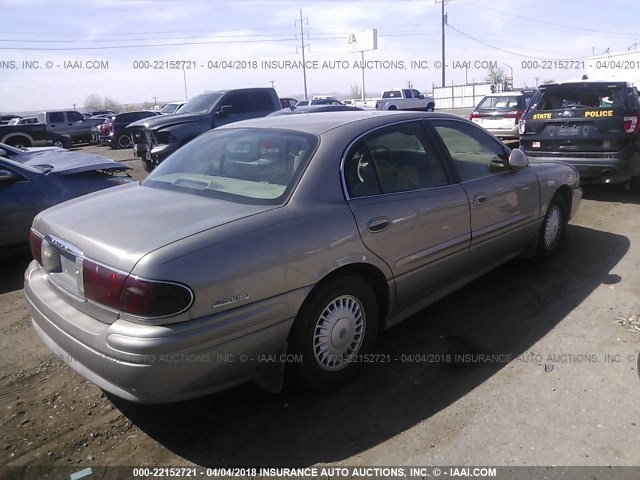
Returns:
(528, 365)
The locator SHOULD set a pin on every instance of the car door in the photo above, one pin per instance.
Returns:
(408, 209)
(504, 202)
(56, 122)
(79, 128)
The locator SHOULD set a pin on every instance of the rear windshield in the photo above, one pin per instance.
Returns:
(507, 102)
(581, 96)
(255, 166)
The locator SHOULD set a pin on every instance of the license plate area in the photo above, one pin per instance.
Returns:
(63, 264)
(568, 131)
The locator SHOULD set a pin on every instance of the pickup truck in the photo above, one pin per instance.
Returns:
(25, 135)
(399, 99)
(155, 138)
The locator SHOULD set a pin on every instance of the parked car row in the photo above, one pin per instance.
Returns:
(593, 125)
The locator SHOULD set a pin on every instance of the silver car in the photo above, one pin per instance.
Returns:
(283, 246)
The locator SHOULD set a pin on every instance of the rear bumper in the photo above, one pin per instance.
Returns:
(609, 168)
(158, 364)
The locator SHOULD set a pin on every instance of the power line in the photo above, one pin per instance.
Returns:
(508, 51)
(552, 24)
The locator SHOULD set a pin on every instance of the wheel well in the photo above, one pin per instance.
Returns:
(370, 274)
(431, 105)
(565, 192)
(18, 140)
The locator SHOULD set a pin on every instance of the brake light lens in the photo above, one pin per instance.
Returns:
(35, 243)
(522, 126)
(147, 298)
(101, 284)
(133, 295)
(517, 114)
(474, 115)
(631, 123)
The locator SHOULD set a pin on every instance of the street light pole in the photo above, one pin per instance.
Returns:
(511, 69)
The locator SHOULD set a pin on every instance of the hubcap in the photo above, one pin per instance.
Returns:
(339, 333)
(552, 227)
(124, 141)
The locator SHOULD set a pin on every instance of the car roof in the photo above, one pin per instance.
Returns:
(318, 123)
(586, 81)
(510, 93)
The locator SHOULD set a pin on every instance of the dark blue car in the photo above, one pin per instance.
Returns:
(36, 179)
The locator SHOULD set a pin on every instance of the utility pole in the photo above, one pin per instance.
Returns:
(184, 77)
(444, 22)
(273, 83)
(303, 46)
(537, 78)
(155, 103)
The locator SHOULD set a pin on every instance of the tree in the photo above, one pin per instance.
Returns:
(548, 80)
(355, 91)
(110, 104)
(93, 102)
(495, 75)
(148, 106)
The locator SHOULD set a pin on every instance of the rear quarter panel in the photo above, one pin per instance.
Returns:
(551, 177)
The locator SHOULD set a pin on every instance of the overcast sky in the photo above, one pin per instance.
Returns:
(239, 33)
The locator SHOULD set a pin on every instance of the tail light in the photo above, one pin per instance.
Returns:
(631, 123)
(522, 126)
(133, 295)
(474, 115)
(517, 114)
(377, 104)
(35, 243)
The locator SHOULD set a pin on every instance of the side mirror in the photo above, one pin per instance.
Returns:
(518, 159)
(225, 110)
(7, 177)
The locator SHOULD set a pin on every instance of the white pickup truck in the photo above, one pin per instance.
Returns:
(399, 99)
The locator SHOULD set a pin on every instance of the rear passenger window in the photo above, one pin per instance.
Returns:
(475, 154)
(393, 159)
(56, 117)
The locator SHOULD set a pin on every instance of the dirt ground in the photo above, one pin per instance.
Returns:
(563, 391)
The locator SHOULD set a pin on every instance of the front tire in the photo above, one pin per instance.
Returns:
(338, 323)
(552, 230)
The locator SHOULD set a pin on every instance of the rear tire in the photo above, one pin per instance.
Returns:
(552, 230)
(393, 107)
(337, 323)
(124, 141)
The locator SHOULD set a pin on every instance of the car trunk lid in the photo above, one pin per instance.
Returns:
(116, 228)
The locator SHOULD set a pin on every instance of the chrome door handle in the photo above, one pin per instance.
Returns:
(378, 224)
(480, 199)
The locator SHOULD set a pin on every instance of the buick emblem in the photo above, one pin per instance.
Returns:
(568, 113)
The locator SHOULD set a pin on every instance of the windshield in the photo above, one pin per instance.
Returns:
(169, 108)
(581, 96)
(255, 166)
(503, 102)
(201, 103)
